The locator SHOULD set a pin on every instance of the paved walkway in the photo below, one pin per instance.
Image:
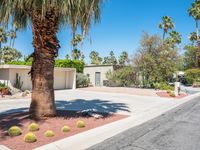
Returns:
(176, 130)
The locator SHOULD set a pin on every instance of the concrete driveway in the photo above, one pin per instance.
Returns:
(94, 101)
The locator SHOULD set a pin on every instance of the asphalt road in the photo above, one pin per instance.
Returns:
(178, 129)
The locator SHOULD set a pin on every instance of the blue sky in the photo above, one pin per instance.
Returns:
(122, 24)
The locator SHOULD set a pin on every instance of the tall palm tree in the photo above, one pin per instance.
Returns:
(193, 37)
(45, 17)
(13, 34)
(3, 36)
(166, 25)
(175, 37)
(3, 39)
(194, 11)
(91, 12)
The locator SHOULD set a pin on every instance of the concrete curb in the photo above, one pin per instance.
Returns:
(2, 147)
(94, 136)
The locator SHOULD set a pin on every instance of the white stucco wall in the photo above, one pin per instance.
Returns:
(64, 78)
(91, 70)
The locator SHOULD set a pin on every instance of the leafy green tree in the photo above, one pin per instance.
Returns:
(45, 18)
(3, 36)
(123, 58)
(194, 11)
(154, 61)
(9, 54)
(95, 58)
(166, 25)
(189, 56)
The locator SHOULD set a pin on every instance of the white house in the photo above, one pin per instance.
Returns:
(97, 73)
(64, 78)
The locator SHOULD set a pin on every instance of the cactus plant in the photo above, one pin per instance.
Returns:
(18, 83)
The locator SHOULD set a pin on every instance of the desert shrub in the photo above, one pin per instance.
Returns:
(192, 75)
(80, 124)
(82, 80)
(164, 86)
(33, 127)
(30, 138)
(122, 77)
(65, 129)
(49, 133)
(14, 131)
(172, 94)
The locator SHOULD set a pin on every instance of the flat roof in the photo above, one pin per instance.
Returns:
(29, 67)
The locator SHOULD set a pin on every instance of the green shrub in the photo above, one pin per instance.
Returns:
(80, 124)
(164, 86)
(63, 63)
(65, 129)
(49, 133)
(66, 63)
(168, 91)
(33, 127)
(122, 77)
(192, 75)
(14, 131)
(30, 138)
(82, 80)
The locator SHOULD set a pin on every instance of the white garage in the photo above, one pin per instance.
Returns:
(64, 78)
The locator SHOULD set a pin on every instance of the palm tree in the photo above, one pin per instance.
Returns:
(3, 36)
(13, 34)
(175, 37)
(193, 37)
(45, 17)
(91, 12)
(194, 11)
(3, 39)
(166, 25)
(76, 54)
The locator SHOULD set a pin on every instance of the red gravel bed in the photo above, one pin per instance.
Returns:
(166, 95)
(55, 124)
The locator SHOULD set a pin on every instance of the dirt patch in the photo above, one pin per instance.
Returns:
(55, 124)
(166, 95)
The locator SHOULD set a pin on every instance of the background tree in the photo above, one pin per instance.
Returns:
(166, 25)
(111, 59)
(95, 58)
(123, 58)
(67, 56)
(3, 36)
(10, 54)
(194, 11)
(45, 18)
(76, 54)
(193, 37)
(154, 61)
(189, 56)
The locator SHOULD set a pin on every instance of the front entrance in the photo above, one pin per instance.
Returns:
(97, 79)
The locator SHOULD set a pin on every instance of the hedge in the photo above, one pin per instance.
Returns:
(64, 63)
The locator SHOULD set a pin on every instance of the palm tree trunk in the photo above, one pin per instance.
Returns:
(13, 42)
(42, 72)
(198, 43)
(163, 35)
